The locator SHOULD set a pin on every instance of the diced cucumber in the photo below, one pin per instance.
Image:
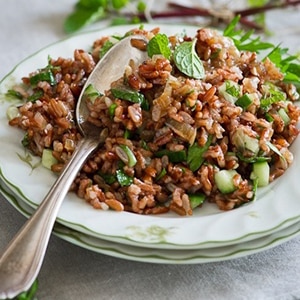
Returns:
(224, 181)
(91, 93)
(284, 116)
(230, 90)
(261, 172)
(12, 112)
(48, 159)
(243, 141)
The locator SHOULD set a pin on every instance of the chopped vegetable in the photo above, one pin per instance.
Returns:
(196, 200)
(161, 174)
(12, 112)
(230, 90)
(112, 109)
(243, 141)
(244, 101)
(272, 95)
(284, 116)
(126, 155)
(225, 181)
(35, 96)
(104, 49)
(195, 154)
(44, 75)
(123, 178)
(174, 156)
(184, 130)
(48, 159)
(91, 93)
(261, 173)
(132, 96)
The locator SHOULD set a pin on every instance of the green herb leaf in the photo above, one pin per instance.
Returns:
(104, 49)
(272, 95)
(243, 40)
(14, 94)
(174, 156)
(159, 44)
(83, 16)
(123, 178)
(195, 154)
(35, 96)
(132, 96)
(289, 65)
(187, 61)
(44, 75)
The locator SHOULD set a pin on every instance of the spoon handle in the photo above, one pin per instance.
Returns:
(22, 259)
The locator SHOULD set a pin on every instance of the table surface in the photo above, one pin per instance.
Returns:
(71, 272)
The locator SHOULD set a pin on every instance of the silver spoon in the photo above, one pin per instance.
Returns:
(22, 259)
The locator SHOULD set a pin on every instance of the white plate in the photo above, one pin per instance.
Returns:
(277, 206)
(142, 254)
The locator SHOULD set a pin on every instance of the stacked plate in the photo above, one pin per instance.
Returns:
(208, 235)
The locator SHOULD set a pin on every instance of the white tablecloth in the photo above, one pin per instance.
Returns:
(70, 272)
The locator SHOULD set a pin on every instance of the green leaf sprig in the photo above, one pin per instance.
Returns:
(89, 11)
(244, 40)
(288, 64)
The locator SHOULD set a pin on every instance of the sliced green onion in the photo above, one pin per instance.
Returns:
(112, 109)
(126, 155)
(196, 200)
(161, 174)
(284, 116)
(244, 101)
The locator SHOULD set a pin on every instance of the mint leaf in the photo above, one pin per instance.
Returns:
(195, 154)
(159, 44)
(187, 60)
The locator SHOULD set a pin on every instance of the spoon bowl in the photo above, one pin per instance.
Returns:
(22, 259)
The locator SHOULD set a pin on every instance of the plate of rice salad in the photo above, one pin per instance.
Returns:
(199, 142)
